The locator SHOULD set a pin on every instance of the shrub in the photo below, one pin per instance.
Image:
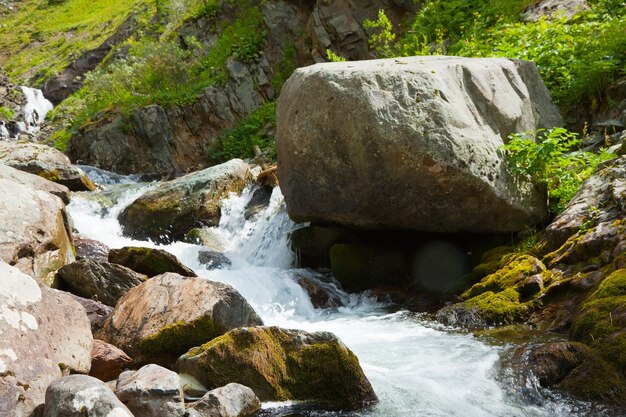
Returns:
(382, 40)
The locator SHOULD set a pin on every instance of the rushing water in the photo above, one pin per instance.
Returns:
(416, 367)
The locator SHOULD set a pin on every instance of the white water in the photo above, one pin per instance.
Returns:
(416, 367)
(35, 109)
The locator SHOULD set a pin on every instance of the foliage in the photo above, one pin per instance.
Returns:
(549, 158)
(284, 68)
(254, 130)
(381, 41)
(6, 113)
(333, 57)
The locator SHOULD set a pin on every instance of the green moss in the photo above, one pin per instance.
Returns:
(491, 261)
(613, 286)
(500, 308)
(284, 68)
(6, 113)
(50, 175)
(178, 337)
(516, 269)
(595, 380)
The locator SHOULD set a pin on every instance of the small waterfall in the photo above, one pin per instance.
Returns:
(417, 367)
(35, 109)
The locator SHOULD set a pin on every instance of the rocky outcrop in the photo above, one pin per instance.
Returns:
(281, 365)
(101, 280)
(149, 261)
(175, 207)
(34, 232)
(107, 361)
(232, 400)
(165, 316)
(45, 335)
(424, 126)
(82, 395)
(152, 391)
(554, 8)
(35, 182)
(46, 162)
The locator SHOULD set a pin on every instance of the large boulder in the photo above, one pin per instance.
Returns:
(102, 280)
(97, 312)
(152, 391)
(149, 261)
(35, 182)
(107, 361)
(44, 335)
(46, 162)
(173, 208)
(82, 395)
(165, 316)
(232, 400)
(34, 232)
(420, 148)
(282, 365)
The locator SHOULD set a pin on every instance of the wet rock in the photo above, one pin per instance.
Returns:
(165, 316)
(232, 400)
(530, 286)
(82, 395)
(34, 232)
(35, 182)
(212, 260)
(91, 249)
(191, 386)
(107, 361)
(320, 296)
(446, 154)
(102, 280)
(282, 365)
(554, 8)
(175, 207)
(45, 335)
(207, 237)
(260, 200)
(97, 313)
(152, 391)
(462, 315)
(572, 367)
(46, 162)
(313, 244)
(149, 261)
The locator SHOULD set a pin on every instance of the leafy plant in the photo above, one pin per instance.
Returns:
(333, 57)
(549, 158)
(6, 113)
(382, 40)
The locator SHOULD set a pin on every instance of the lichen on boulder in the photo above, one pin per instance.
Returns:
(282, 365)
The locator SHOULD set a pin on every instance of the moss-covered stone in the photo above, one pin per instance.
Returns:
(491, 261)
(180, 336)
(149, 261)
(503, 307)
(282, 365)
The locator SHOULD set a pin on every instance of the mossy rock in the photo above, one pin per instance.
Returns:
(149, 261)
(491, 261)
(361, 267)
(281, 365)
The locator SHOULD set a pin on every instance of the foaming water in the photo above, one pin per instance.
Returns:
(417, 368)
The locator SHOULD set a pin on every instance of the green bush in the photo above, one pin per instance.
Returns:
(549, 158)
(254, 130)
(382, 40)
(6, 113)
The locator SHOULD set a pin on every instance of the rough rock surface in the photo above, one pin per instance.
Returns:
(46, 162)
(34, 182)
(554, 8)
(212, 260)
(34, 232)
(173, 208)
(232, 400)
(44, 334)
(91, 249)
(82, 395)
(97, 313)
(101, 280)
(149, 261)
(152, 391)
(422, 126)
(107, 361)
(282, 365)
(165, 316)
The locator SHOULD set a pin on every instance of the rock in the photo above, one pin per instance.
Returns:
(191, 386)
(320, 296)
(281, 365)
(260, 200)
(34, 232)
(97, 313)
(165, 316)
(107, 361)
(581, 232)
(152, 391)
(232, 400)
(207, 237)
(82, 395)
(173, 208)
(35, 182)
(105, 281)
(572, 367)
(421, 126)
(212, 260)
(91, 249)
(554, 8)
(312, 243)
(44, 335)
(530, 286)
(46, 162)
(149, 261)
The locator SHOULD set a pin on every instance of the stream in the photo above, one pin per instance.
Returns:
(416, 366)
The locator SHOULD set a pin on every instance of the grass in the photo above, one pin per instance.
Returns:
(40, 39)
